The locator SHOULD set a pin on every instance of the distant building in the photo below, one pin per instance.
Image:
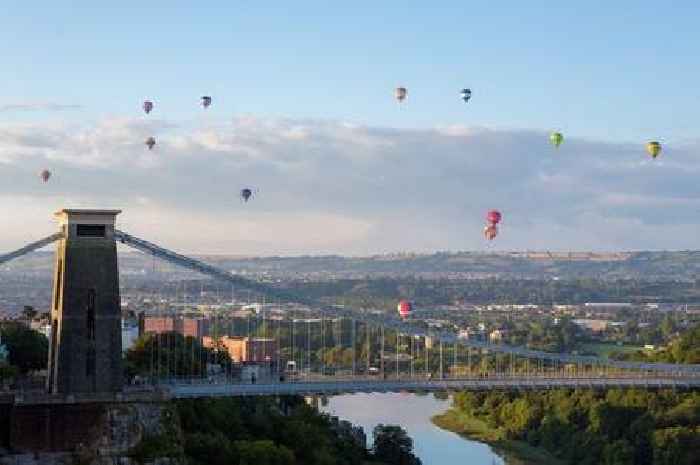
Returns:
(692, 309)
(254, 307)
(4, 354)
(565, 309)
(43, 327)
(464, 334)
(186, 326)
(511, 307)
(471, 333)
(607, 305)
(130, 332)
(497, 335)
(245, 349)
(596, 326)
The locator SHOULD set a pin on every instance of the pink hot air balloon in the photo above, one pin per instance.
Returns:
(493, 217)
(405, 308)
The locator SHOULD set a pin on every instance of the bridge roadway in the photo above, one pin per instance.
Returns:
(203, 389)
(308, 388)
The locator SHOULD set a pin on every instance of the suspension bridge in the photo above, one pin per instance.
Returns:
(339, 350)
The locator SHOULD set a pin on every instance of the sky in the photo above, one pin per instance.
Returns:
(303, 112)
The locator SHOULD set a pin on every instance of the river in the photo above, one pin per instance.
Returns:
(433, 445)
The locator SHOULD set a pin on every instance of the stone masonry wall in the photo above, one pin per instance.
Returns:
(105, 434)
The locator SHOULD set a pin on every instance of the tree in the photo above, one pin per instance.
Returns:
(7, 373)
(619, 452)
(209, 449)
(612, 421)
(171, 354)
(668, 327)
(263, 453)
(28, 349)
(687, 348)
(676, 446)
(393, 446)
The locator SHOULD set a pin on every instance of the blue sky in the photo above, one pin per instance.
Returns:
(304, 111)
(611, 71)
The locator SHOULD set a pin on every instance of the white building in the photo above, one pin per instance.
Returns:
(130, 333)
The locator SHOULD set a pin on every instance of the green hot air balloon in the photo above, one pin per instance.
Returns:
(556, 138)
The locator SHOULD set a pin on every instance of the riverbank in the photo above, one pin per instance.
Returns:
(513, 452)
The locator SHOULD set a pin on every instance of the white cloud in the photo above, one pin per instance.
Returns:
(327, 186)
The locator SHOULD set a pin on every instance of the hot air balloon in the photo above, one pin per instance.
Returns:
(493, 217)
(45, 175)
(556, 138)
(490, 232)
(400, 93)
(466, 94)
(246, 194)
(405, 307)
(147, 106)
(206, 101)
(150, 142)
(654, 149)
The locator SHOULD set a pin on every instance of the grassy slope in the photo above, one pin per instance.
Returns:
(515, 452)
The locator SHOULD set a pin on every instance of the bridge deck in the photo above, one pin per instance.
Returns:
(367, 386)
(208, 390)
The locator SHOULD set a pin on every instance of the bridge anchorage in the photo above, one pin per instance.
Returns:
(335, 350)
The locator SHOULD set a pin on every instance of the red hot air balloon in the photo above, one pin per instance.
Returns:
(405, 307)
(493, 217)
(490, 232)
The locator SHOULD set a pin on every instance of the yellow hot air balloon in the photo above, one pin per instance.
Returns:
(654, 149)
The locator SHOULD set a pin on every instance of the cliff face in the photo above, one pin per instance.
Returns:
(127, 434)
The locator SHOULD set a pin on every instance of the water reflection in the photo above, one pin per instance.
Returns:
(433, 445)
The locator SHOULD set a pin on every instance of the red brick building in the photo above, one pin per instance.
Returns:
(246, 350)
(187, 326)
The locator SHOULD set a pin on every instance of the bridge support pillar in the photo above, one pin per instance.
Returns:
(85, 351)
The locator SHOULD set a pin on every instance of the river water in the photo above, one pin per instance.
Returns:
(433, 445)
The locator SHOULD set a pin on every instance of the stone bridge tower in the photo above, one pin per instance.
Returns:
(85, 353)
